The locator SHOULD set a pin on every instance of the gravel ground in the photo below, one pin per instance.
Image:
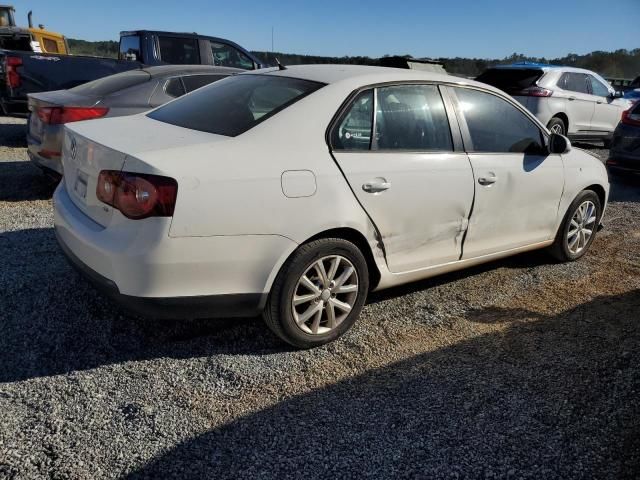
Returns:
(518, 369)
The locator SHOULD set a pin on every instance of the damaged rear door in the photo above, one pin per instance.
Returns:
(396, 149)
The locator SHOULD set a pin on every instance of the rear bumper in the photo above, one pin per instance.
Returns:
(14, 108)
(211, 306)
(139, 265)
(45, 152)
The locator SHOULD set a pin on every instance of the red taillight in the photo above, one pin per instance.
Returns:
(630, 117)
(137, 195)
(534, 92)
(13, 77)
(60, 115)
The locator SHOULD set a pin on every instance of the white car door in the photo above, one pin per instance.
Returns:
(518, 184)
(608, 110)
(413, 183)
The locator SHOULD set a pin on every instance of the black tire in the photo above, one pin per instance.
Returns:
(278, 313)
(558, 123)
(560, 248)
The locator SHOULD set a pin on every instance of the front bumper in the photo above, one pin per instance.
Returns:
(139, 265)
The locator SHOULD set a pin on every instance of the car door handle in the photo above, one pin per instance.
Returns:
(488, 179)
(599, 102)
(376, 186)
(571, 99)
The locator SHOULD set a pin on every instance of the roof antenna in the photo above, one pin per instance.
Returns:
(280, 66)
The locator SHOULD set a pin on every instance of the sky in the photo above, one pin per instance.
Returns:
(426, 28)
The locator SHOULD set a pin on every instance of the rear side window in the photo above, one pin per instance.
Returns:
(511, 80)
(574, 82)
(113, 83)
(227, 56)
(236, 104)
(130, 48)
(354, 129)
(496, 126)
(411, 117)
(179, 51)
(193, 82)
(636, 109)
(174, 87)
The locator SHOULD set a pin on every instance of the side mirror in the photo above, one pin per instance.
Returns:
(616, 94)
(559, 143)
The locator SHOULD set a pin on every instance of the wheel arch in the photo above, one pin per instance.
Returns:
(600, 191)
(359, 240)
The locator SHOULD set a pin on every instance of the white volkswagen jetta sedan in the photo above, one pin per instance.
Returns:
(294, 192)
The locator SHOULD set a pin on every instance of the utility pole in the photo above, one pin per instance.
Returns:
(272, 39)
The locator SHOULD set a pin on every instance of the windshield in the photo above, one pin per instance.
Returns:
(511, 80)
(234, 105)
(113, 83)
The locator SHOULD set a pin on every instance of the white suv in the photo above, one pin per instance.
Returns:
(569, 101)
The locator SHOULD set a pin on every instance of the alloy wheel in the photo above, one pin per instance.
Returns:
(557, 128)
(582, 226)
(325, 295)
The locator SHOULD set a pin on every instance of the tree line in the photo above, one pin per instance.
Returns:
(618, 64)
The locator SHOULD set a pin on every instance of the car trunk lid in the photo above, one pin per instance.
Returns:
(57, 98)
(92, 146)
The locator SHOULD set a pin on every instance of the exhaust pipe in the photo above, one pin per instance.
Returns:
(29, 15)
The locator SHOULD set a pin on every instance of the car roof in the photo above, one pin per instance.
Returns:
(364, 75)
(164, 70)
(540, 66)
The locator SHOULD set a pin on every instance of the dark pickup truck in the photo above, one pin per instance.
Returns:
(23, 72)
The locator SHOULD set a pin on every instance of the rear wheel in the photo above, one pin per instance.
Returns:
(556, 125)
(318, 294)
(579, 227)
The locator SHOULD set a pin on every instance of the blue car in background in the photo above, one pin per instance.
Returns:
(632, 94)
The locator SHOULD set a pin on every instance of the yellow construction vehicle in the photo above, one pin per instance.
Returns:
(32, 38)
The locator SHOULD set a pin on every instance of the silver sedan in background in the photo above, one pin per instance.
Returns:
(126, 93)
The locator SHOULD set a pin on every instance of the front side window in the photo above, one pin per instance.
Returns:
(130, 48)
(496, 126)
(227, 56)
(411, 117)
(236, 104)
(179, 51)
(354, 130)
(574, 82)
(597, 88)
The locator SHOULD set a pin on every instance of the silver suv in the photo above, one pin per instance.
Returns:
(570, 101)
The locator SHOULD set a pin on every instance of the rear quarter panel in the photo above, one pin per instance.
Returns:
(234, 186)
(582, 170)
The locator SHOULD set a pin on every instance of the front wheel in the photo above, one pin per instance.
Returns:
(318, 294)
(579, 227)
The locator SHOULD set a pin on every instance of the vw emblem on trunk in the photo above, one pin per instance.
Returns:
(72, 148)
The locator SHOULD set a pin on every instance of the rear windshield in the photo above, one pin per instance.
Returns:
(234, 105)
(511, 80)
(112, 83)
